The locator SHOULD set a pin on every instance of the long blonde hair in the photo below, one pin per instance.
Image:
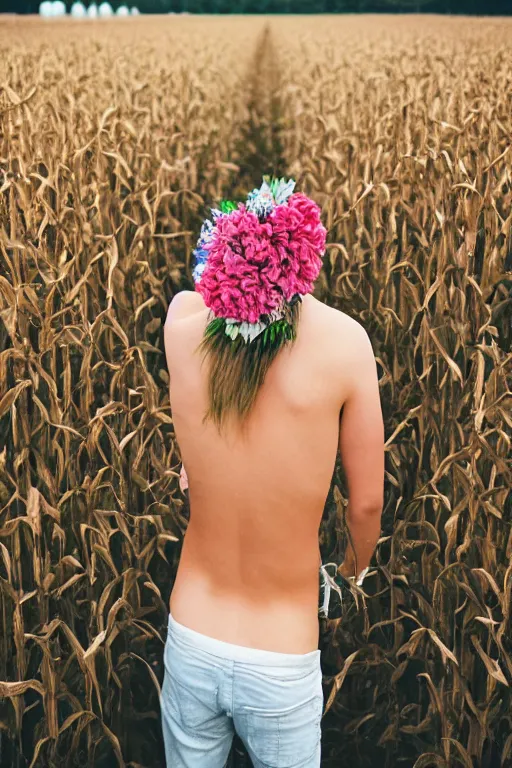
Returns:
(237, 369)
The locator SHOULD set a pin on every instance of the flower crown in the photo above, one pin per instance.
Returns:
(258, 258)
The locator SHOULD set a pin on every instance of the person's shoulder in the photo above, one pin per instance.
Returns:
(339, 324)
(345, 344)
(347, 350)
(184, 304)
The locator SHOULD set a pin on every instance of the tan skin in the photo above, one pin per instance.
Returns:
(248, 572)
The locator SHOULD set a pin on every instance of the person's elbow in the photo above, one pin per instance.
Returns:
(369, 506)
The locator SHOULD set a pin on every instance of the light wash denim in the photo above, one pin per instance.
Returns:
(211, 689)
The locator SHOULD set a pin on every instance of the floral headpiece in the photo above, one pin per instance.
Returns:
(257, 258)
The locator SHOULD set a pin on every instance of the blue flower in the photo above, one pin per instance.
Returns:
(201, 252)
(207, 233)
(198, 271)
(201, 255)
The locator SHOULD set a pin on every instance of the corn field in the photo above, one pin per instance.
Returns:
(115, 136)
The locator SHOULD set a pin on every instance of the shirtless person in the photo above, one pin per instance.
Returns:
(242, 649)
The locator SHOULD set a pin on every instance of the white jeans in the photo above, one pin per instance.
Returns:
(211, 689)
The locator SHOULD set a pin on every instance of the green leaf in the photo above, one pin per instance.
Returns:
(226, 206)
(214, 326)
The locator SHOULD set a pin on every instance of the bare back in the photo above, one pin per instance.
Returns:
(249, 567)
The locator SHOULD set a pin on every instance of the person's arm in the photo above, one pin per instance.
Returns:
(362, 454)
(182, 305)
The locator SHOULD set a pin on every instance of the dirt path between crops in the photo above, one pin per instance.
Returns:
(260, 150)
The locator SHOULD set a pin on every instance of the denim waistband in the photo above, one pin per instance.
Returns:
(242, 653)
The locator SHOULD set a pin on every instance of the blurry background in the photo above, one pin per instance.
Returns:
(466, 7)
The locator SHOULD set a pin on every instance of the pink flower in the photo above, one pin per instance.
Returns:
(252, 265)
